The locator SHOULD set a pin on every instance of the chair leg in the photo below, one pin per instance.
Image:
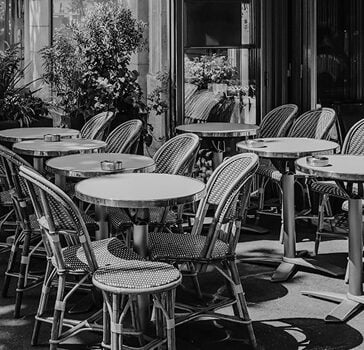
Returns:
(48, 278)
(106, 325)
(135, 319)
(241, 301)
(22, 271)
(320, 223)
(116, 334)
(12, 258)
(170, 323)
(58, 314)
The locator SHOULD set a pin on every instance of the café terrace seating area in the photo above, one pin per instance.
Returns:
(181, 175)
(175, 260)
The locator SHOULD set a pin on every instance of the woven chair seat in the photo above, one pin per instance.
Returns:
(329, 188)
(170, 246)
(108, 252)
(119, 218)
(270, 171)
(135, 276)
(5, 198)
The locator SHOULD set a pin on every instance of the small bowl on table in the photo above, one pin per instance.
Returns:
(255, 143)
(317, 160)
(52, 138)
(111, 165)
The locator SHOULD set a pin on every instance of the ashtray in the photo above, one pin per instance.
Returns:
(255, 143)
(317, 160)
(110, 165)
(52, 138)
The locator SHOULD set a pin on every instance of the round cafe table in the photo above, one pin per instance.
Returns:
(346, 170)
(23, 134)
(283, 151)
(217, 132)
(139, 191)
(88, 165)
(40, 149)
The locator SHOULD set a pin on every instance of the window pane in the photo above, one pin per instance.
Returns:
(219, 86)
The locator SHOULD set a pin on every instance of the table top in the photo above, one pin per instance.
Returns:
(288, 147)
(340, 167)
(140, 190)
(89, 165)
(40, 148)
(22, 134)
(219, 129)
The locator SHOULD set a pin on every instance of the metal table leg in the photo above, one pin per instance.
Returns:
(101, 217)
(140, 243)
(352, 301)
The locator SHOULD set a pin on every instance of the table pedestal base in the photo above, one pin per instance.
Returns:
(289, 266)
(348, 304)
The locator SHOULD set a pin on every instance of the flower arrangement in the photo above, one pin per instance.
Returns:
(204, 70)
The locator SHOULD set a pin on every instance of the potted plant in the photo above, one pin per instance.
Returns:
(19, 107)
(88, 64)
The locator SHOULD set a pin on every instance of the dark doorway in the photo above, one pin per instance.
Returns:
(340, 49)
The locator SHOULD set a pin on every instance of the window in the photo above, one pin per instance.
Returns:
(219, 65)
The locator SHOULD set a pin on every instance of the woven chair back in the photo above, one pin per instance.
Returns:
(10, 163)
(354, 140)
(227, 191)
(177, 155)
(278, 121)
(124, 138)
(58, 217)
(96, 127)
(314, 124)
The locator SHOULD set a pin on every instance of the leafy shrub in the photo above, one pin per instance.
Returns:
(17, 101)
(88, 63)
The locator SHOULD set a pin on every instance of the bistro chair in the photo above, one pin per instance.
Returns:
(353, 145)
(27, 230)
(275, 123)
(176, 156)
(227, 193)
(125, 138)
(27, 238)
(315, 124)
(96, 127)
(72, 254)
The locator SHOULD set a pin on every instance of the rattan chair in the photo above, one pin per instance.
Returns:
(71, 253)
(276, 123)
(227, 194)
(353, 145)
(96, 127)
(315, 124)
(26, 233)
(177, 156)
(125, 138)
(132, 279)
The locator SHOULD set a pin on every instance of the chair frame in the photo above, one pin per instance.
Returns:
(127, 144)
(231, 198)
(24, 233)
(354, 145)
(96, 127)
